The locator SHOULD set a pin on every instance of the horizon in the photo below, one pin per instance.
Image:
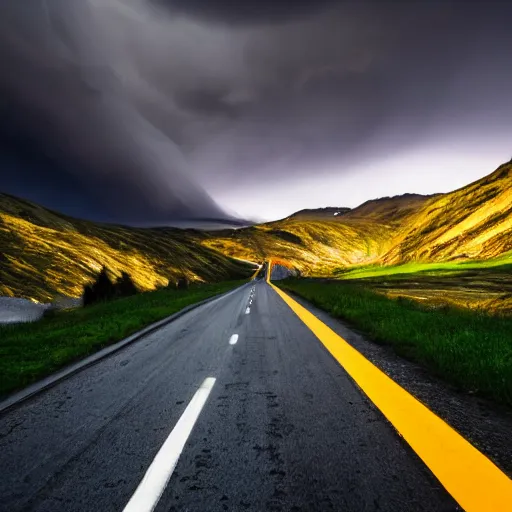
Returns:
(445, 186)
(230, 222)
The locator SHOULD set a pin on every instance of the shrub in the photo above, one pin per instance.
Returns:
(182, 283)
(125, 286)
(104, 289)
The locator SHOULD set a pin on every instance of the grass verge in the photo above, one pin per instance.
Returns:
(471, 350)
(502, 264)
(31, 351)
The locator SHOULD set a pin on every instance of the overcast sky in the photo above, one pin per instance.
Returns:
(145, 111)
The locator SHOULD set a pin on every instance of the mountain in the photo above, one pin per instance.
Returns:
(317, 242)
(44, 254)
(319, 213)
(472, 222)
(391, 210)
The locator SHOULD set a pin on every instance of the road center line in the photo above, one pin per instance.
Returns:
(159, 472)
(233, 339)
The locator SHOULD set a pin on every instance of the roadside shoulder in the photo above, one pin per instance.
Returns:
(485, 424)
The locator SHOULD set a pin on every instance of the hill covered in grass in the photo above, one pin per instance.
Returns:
(44, 254)
(474, 222)
(317, 242)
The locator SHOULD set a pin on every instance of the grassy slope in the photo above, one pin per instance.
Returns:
(317, 242)
(365, 271)
(471, 223)
(478, 285)
(474, 222)
(474, 352)
(43, 253)
(28, 352)
(312, 246)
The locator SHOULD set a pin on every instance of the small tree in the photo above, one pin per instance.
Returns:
(125, 286)
(182, 283)
(88, 295)
(102, 289)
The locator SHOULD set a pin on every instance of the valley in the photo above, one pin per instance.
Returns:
(453, 248)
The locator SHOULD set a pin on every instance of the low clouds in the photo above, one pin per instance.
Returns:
(153, 107)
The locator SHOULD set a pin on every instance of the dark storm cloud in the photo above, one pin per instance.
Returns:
(70, 119)
(359, 78)
(247, 12)
(144, 104)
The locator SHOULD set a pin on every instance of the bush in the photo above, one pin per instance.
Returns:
(182, 283)
(125, 286)
(104, 289)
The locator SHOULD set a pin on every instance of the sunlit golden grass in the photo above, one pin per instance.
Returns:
(474, 222)
(460, 296)
(44, 254)
(408, 233)
(313, 247)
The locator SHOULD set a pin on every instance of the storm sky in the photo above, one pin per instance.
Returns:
(148, 111)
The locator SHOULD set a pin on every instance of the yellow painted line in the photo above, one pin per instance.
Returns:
(470, 477)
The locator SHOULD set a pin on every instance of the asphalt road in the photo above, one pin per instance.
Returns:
(283, 428)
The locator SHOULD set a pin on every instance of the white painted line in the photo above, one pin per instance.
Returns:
(247, 311)
(159, 472)
(233, 339)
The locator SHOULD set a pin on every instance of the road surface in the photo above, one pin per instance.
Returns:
(277, 425)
